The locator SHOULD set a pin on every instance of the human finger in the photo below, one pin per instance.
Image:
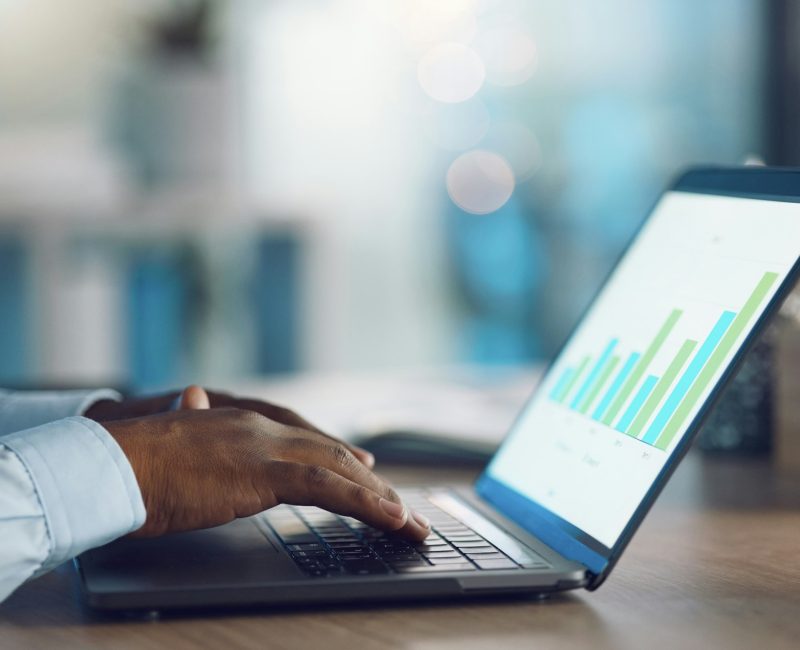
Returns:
(313, 485)
(194, 398)
(308, 448)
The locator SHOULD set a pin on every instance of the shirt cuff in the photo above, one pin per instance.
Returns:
(24, 410)
(86, 486)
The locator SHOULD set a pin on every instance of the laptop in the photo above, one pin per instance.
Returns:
(581, 466)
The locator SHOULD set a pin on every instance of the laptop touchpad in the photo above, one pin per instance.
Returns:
(236, 553)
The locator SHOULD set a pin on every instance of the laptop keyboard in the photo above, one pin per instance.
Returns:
(324, 544)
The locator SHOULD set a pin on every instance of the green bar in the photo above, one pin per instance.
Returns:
(716, 360)
(605, 373)
(642, 366)
(661, 388)
(571, 383)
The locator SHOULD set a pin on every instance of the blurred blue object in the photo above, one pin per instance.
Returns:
(499, 264)
(276, 297)
(14, 324)
(159, 319)
(613, 169)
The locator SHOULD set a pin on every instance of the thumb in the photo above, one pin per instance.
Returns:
(194, 398)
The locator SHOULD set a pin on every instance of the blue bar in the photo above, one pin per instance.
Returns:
(565, 377)
(615, 387)
(637, 403)
(594, 373)
(689, 375)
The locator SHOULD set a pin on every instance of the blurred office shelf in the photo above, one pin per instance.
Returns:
(152, 292)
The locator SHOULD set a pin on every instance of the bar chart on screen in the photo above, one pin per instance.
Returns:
(623, 395)
(616, 387)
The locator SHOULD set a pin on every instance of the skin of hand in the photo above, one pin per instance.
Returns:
(199, 467)
(195, 397)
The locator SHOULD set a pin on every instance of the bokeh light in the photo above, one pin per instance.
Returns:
(480, 181)
(509, 54)
(518, 145)
(451, 72)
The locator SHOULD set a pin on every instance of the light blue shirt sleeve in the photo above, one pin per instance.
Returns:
(65, 486)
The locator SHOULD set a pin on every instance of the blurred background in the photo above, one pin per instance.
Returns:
(210, 190)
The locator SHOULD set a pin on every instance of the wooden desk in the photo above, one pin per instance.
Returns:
(716, 565)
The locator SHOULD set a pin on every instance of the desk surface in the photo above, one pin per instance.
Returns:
(714, 566)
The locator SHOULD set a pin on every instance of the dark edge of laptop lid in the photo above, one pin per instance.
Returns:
(772, 184)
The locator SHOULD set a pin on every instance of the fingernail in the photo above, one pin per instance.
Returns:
(369, 459)
(396, 510)
(421, 519)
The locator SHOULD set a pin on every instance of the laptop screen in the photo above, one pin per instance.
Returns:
(646, 356)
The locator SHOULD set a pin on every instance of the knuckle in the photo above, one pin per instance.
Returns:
(249, 418)
(248, 427)
(359, 498)
(391, 494)
(316, 476)
(342, 457)
(362, 495)
(239, 417)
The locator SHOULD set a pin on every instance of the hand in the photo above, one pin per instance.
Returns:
(203, 468)
(195, 397)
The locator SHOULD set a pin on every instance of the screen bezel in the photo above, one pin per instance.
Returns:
(743, 182)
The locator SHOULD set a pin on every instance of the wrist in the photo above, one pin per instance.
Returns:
(133, 439)
(102, 410)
